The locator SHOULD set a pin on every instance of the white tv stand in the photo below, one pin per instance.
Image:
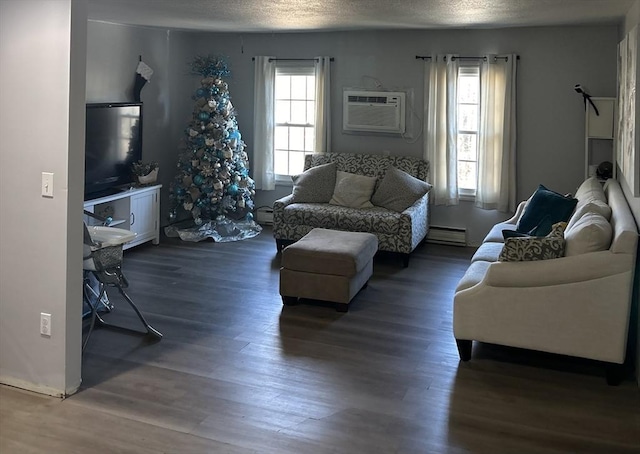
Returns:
(135, 209)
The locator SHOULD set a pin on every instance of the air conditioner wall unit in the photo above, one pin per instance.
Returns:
(373, 111)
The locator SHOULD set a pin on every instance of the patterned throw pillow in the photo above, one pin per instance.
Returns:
(353, 190)
(314, 185)
(529, 248)
(398, 190)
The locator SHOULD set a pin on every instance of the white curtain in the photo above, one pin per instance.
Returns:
(323, 104)
(497, 136)
(440, 141)
(264, 122)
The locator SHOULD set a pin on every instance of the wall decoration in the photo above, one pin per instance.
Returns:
(626, 149)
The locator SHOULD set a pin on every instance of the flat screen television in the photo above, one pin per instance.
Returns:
(113, 142)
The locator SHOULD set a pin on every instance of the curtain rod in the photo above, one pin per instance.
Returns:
(292, 59)
(428, 57)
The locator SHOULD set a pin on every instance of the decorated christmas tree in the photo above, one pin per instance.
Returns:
(212, 181)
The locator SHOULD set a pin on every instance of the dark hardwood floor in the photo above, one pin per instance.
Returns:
(236, 372)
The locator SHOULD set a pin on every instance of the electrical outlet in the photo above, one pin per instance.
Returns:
(45, 324)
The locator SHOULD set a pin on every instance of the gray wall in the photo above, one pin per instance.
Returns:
(112, 58)
(550, 114)
(43, 52)
(550, 146)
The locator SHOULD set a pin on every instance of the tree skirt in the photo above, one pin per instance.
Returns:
(221, 230)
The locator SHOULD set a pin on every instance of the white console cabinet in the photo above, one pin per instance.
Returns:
(136, 209)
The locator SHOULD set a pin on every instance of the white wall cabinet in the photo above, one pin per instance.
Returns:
(599, 135)
(136, 209)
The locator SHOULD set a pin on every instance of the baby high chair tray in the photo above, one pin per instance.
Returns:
(110, 236)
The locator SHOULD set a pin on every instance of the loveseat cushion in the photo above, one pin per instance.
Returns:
(372, 220)
(398, 190)
(591, 233)
(544, 209)
(315, 185)
(353, 190)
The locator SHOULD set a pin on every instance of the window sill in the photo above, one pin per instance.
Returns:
(467, 197)
(284, 181)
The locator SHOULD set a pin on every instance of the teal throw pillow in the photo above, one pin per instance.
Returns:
(544, 209)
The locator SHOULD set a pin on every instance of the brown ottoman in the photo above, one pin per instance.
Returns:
(328, 265)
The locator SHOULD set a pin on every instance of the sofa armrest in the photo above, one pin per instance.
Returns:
(519, 210)
(564, 270)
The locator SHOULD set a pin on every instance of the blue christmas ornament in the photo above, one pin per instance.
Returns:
(200, 92)
(203, 116)
(198, 180)
(232, 189)
(249, 217)
(180, 191)
(207, 189)
(235, 134)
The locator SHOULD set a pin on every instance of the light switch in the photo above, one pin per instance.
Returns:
(47, 184)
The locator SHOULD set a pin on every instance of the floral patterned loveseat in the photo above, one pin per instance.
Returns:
(396, 232)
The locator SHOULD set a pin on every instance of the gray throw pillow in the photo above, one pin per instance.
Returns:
(353, 190)
(398, 190)
(314, 185)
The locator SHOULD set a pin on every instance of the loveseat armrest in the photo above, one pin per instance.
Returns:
(278, 213)
(414, 222)
(564, 270)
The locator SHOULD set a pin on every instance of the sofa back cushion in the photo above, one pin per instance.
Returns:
(591, 198)
(371, 165)
(591, 233)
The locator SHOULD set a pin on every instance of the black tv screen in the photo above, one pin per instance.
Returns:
(113, 142)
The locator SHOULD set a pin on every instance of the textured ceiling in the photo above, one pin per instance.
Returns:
(327, 15)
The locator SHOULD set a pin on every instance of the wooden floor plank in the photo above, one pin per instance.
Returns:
(236, 372)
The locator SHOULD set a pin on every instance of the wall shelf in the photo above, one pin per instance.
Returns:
(599, 143)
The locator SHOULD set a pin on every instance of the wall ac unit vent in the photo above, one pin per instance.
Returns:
(447, 235)
(373, 111)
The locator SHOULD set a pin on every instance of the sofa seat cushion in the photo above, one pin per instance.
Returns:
(495, 234)
(324, 215)
(474, 274)
(488, 252)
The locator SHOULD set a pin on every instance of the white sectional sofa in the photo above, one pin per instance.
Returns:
(578, 304)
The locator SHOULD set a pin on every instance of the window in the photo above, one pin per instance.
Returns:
(295, 108)
(468, 111)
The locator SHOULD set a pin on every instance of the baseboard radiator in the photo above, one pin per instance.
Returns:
(454, 236)
(264, 215)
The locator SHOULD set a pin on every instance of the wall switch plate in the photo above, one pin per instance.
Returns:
(47, 184)
(45, 324)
